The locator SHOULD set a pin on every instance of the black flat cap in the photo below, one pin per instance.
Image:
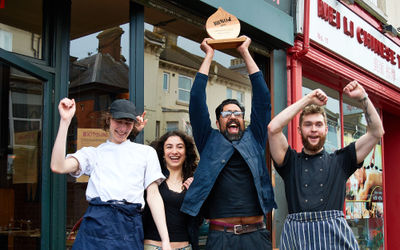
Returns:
(122, 108)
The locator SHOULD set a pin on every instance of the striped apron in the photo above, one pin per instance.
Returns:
(317, 230)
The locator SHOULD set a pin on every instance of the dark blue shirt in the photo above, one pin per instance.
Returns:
(317, 182)
(234, 193)
(215, 150)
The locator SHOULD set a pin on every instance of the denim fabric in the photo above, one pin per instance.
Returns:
(215, 150)
(110, 226)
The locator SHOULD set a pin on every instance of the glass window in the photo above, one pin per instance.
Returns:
(98, 75)
(240, 96)
(333, 139)
(184, 85)
(229, 93)
(21, 27)
(165, 81)
(6, 40)
(172, 126)
(21, 159)
(157, 130)
(364, 189)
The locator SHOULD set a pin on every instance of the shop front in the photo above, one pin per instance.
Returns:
(39, 209)
(339, 43)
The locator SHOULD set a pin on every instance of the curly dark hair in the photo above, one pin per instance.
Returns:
(190, 164)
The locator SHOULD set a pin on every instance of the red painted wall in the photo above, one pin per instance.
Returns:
(391, 180)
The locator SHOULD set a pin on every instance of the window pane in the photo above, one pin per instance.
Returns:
(165, 81)
(184, 95)
(240, 96)
(229, 93)
(364, 191)
(21, 27)
(98, 75)
(332, 110)
(21, 142)
(172, 126)
(185, 82)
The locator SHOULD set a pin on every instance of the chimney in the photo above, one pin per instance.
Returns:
(171, 38)
(110, 42)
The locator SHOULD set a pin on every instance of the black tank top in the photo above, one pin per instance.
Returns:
(234, 193)
(176, 220)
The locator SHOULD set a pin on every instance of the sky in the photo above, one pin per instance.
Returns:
(84, 46)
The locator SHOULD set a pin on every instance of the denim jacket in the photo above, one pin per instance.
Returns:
(215, 150)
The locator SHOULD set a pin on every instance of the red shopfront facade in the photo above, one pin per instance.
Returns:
(339, 43)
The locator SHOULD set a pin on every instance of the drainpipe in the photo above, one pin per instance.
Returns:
(296, 52)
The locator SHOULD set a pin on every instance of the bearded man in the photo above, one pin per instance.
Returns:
(315, 181)
(231, 184)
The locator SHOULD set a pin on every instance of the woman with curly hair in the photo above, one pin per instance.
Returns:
(178, 160)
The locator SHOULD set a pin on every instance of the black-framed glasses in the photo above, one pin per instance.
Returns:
(228, 113)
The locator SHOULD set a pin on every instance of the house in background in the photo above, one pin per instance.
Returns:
(95, 81)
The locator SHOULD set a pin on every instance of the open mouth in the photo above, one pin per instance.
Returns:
(314, 139)
(233, 127)
(174, 158)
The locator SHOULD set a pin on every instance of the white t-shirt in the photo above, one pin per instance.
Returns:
(118, 171)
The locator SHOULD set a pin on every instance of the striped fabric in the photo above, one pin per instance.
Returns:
(317, 230)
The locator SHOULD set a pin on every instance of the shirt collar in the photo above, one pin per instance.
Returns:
(304, 154)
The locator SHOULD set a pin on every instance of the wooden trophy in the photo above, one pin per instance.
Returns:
(224, 29)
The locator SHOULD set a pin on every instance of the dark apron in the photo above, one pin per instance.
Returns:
(110, 225)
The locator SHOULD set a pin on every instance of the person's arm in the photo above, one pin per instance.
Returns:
(198, 110)
(243, 49)
(375, 131)
(277, 140)
(156, 206)
(58, 162)
(261, 98)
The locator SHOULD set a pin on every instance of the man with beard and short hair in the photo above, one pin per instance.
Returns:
(315, 180)
(231, 185)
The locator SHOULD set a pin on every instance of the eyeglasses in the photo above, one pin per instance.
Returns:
(228, 113)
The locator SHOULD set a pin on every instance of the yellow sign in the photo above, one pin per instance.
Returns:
(90, 137)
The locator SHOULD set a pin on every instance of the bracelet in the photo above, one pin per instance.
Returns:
(364, 98)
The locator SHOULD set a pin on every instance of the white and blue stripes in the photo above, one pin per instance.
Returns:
(317, 230)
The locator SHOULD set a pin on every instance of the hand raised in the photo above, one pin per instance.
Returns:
(140, 122)
(245, 45)
(205, 47)
(354, 90)
(318, 97)
(67, 108)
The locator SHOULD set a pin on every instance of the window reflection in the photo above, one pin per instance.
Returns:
(333, 139)
(21, 27)
(21, 147)
(364, 190)
(97, 78)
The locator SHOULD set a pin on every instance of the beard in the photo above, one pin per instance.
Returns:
(233, 137)
(316, 147)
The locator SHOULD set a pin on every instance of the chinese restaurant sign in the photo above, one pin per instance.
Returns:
(342, 31)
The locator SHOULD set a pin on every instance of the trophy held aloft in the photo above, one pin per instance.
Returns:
(224, 29)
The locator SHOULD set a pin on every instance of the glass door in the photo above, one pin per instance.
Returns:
(21, 110)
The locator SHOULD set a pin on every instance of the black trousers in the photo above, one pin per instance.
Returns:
(220, 240)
